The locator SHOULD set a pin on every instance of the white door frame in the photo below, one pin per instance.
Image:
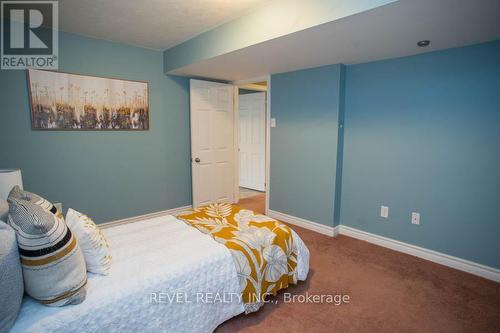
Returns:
(237, 84)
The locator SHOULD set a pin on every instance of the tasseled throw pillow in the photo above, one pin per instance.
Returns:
(94, 246)
(53, 264)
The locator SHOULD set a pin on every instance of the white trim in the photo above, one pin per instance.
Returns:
(268, 145)
(252, 80)
(253, 87)
(471, 267)
(173, 211)
(487, 272)
(239, 83)
(236, 139)
(321, 228)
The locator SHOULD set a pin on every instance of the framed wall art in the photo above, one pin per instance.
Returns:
(67, 101)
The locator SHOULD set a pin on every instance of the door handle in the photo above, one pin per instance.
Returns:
(197, 160)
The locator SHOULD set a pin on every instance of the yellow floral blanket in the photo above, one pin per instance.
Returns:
(262, 248)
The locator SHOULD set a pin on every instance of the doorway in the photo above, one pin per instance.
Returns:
(251, 104)
(216, 145)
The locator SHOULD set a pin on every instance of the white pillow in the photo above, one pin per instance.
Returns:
(94, 246)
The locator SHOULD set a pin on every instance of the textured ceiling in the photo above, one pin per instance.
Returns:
(386, 32)
(155, 24)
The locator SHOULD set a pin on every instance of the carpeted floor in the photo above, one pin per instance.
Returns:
(389, 292)
(255, 203)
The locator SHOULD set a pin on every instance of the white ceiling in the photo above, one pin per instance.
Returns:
(385, 32)
(155, 24)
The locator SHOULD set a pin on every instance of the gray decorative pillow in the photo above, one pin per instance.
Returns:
(11, 278)
(53, 264)
(17, 193)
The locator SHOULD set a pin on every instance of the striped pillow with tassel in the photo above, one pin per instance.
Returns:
(53, 265)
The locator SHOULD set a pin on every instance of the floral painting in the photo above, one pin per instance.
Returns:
(65, 101)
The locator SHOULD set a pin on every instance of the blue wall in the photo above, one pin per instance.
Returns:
(422, 134)
(108, 175)
(307, 107)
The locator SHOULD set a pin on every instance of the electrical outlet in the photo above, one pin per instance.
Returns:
(384, 211)
(415, 218)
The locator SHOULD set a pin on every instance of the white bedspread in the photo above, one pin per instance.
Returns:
(153, 261)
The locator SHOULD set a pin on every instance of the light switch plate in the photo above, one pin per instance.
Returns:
(415, 218)
(273, 122)
(384, 211)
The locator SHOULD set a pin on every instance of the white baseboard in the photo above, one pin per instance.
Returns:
(314, 226)
(487, 272)
(173, 211)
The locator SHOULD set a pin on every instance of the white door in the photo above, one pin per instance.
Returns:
(212, 142)
(252, 109)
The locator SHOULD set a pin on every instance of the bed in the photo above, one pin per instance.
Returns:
(166, 277)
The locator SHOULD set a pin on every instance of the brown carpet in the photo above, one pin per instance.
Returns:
(255, 203)
(389, 292)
